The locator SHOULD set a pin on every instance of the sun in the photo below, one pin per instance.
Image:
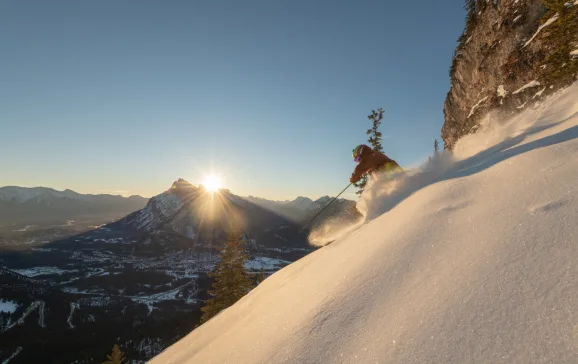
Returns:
(212, 183)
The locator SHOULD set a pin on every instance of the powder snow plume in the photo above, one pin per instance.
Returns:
(330, 231)
(497, 132)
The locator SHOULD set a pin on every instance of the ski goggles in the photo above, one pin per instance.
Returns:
(356, 153)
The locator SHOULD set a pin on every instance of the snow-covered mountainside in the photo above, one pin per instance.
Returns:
(20, 204)
(472, 262)
(162, 207)
(208, 219)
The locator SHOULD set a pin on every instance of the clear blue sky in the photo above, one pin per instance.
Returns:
(104, 96)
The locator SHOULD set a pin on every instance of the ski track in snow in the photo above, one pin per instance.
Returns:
(473, 262)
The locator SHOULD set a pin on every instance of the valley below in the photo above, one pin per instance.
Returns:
(69, 301)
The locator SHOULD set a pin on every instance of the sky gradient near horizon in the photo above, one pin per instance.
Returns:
(126, 97)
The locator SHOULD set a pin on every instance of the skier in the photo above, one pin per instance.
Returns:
(371, 161)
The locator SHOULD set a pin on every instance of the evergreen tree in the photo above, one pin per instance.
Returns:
(261, 276)
(471, 18)
(436, 147)
(374, 133)
(115, 357)
(562, 38)
(374, 140)
(231, 280)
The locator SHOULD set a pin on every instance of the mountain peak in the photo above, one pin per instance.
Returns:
(323, 200)
(182, 184)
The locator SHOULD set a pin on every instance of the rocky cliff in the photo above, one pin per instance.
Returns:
(511, 54)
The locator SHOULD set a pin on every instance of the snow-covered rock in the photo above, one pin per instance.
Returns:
(476, 105)
(502, 91)
(506, 44)
(476, 263)
(541, 27)
(530, 84)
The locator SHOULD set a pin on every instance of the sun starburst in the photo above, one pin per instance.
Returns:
(212, 183)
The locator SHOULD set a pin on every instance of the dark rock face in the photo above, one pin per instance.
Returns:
(500, 64)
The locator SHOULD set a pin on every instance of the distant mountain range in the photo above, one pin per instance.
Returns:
(302, 209)
(40, 205)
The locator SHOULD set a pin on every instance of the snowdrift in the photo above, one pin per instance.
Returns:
(471, 261)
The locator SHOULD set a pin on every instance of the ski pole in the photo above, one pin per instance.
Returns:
(323, 209)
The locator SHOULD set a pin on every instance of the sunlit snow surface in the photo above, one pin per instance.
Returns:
(472, 260)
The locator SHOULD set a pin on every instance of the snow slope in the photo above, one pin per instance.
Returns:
(476, 263)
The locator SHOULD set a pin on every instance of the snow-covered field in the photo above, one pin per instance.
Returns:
(39, 271)
(8, 306)
(474, 262)
(265, 263)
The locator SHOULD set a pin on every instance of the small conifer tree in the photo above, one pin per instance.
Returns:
(115, 357)
(374, 133)
(231, 279)
(562, 38)
(261, 276)
(374, 140)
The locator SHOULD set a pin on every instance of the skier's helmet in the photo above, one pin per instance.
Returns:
(358, 151)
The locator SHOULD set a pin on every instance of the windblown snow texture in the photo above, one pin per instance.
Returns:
(472, 263)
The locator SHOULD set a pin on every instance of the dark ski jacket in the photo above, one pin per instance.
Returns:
(373, 161)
